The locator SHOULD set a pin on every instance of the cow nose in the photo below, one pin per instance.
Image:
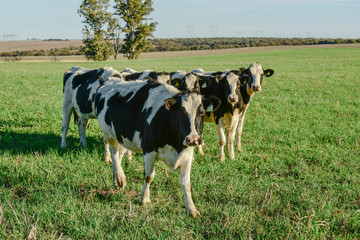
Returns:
(233, 98)
(256, 88)
(192, 140)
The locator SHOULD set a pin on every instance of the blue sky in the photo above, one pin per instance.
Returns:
(45, 19)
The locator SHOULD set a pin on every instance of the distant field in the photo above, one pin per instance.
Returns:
(298, 176)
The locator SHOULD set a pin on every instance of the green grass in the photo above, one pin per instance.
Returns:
(298, 176)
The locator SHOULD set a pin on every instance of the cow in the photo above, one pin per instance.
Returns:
(79, 88)
(226, 87)
(252, 77)
(232, 111)
(130, 75)
(156, 120)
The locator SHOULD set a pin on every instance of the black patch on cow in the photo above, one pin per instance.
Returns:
(66, 77)
(133, 76)
(244, 94)
(82, 82)
(99, 104)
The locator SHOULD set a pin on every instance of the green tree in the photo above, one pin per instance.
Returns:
(98, 30)
(137, 28)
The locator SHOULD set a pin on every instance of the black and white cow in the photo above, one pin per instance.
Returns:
(226, 87)
(130, 75)
(231, 113)
(157, 120)
(252, 77)
(79, 88)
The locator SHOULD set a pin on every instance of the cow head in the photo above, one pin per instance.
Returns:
(163, 77)
(189, 109)
(254, 74)
(231, 83)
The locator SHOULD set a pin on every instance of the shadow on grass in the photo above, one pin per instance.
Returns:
(27, 143)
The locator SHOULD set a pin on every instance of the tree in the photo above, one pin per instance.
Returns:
(98, 30)
(137, 29)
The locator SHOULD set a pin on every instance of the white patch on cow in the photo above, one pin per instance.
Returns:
(191, 105)
(256, 71)
(232, 79)
(172, 158)
(179, 74)
(129, 70)
(145, 74)
(134, 144)
(190, 81)
(163, 78)
(157, 98)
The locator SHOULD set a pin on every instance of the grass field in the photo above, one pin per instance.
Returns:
(298, 176)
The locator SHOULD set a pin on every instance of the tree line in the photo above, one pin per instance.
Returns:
(182, 44)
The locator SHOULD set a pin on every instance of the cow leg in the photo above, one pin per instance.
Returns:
(117, 153)
(222, 140)
(239, 128)
(186, 185)
(200, 149)
(231, 133)
(82, 124)
(149, 173)
(129, 155)
(107, 152)
(67, 109)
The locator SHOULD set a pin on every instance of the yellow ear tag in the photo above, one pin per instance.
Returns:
(176, 84)
(268, 73)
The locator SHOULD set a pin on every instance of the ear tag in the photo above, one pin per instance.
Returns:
(268, 73)
(203, 86)
(176, 84)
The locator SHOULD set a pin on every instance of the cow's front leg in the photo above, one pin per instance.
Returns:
(107, 152)
(200, 149)
(117, 153)
(239, 130)
(149, 173)
(82, 124)
(222, 140)
(231, 133)
(186, 185)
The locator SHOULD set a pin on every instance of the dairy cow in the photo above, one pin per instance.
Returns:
(157, 120)
(252, 77)
(231, 113)
(79, 88)
(226, 87)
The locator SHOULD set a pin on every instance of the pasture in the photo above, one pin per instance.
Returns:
(298, 176)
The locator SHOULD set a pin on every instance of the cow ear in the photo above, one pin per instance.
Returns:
(268, 72)
(241, 69)
(171, 104)
(204, 82)
(176, 82)
(218, 78)
(211, 103)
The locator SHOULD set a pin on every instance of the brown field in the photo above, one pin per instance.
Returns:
(47, 45)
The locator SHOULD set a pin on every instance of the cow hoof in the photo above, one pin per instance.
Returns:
(194, 213)
(120, 183)
(108, 161)
(222, 159)
(145, 202)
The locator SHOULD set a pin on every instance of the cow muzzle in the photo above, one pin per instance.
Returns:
(256, 88)
(192, 140)
(233, 99)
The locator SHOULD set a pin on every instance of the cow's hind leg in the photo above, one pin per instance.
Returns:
(117, 153)
(222, 140)
(82, 124)
(149, 173)
(67, 109)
